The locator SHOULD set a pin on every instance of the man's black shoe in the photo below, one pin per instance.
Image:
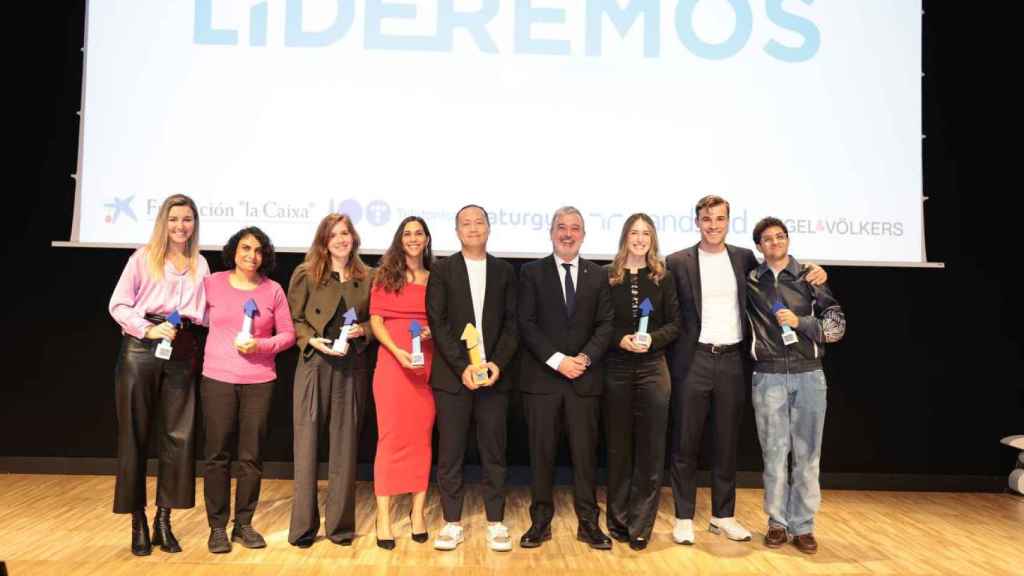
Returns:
(535, 536)
(593, 536)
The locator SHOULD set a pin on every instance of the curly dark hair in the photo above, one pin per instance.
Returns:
(766, 223)
(266, 248)
(391, 273)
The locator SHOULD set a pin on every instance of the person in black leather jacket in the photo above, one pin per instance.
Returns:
(790, 322)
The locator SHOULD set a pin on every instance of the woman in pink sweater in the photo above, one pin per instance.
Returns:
(249, 324)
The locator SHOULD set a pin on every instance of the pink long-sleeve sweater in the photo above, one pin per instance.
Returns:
(271, 327)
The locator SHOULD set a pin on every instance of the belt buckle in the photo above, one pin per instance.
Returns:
(716, 349)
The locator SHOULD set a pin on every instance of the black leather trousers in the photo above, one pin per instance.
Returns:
(159, 396)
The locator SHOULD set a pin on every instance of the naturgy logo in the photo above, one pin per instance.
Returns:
(622, 14)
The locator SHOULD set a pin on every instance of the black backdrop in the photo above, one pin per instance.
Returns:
(926, 382)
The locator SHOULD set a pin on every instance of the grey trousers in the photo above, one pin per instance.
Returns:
(330, 395)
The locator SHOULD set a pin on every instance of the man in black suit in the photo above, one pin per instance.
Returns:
(565, 319)
(707, 367)
(472, 287)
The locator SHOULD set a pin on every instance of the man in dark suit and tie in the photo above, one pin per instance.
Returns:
(472, 287)
(707, 367)
(565, 320)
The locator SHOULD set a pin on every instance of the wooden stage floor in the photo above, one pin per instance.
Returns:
(63, 525)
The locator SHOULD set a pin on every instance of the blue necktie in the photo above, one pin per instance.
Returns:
(570, 291)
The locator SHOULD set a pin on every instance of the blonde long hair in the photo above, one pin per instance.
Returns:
(655, 266)
(318, 258)
(156, 248)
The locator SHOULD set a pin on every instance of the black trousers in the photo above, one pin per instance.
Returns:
(714, 385)
(637, 392)
(544, 416)
(328, 396)
(228, 408)
(489, 408)
(149, 391)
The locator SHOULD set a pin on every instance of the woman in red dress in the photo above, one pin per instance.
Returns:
(401, 387)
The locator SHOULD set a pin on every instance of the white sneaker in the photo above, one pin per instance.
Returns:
(449, 537)
(682, 533)
(498, 538)
(733, 529)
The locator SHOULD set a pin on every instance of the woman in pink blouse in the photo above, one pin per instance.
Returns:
(163, 279)
(249, 324)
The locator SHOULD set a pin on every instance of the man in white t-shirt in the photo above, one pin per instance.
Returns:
(472, 287)
(709, 381)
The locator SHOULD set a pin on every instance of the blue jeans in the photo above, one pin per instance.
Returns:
(790, 414)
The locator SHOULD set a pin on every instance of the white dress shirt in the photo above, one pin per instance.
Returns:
(574, 270)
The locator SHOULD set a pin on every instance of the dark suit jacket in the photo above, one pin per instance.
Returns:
(450, 308)
(313, 305)
(684, 266)
(546, 329)
(662, 324)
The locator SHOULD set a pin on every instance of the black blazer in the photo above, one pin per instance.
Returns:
(662, 324)
(450, 308)
(546, 329)
(684, 266)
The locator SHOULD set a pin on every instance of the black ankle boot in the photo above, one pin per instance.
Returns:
(141, 545)
(162, 535)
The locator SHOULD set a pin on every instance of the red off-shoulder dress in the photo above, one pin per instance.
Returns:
(405, 402)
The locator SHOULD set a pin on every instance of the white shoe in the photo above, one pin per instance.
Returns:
(682, 533)
(733, 529)
(498, 538)
(449, 538)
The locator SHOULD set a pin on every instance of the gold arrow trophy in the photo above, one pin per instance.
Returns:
(476, 357)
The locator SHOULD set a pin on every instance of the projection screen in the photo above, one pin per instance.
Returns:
(275, 112)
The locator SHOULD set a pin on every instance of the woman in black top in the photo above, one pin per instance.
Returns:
(637, 385)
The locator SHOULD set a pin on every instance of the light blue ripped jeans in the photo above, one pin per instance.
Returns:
(790, 414)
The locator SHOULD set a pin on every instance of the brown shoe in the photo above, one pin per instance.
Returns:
(776, 536)
(806, 543)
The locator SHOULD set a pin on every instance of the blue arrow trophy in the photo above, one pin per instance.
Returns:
(642, 338)
(341, 342)
(417, 353)
(249, 309)
(164, 348)
(789, 337)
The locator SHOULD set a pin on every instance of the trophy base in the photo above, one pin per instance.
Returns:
(416, 360)
(480, 376)
(163, 351)
(242, 337)
(642, 339)
(340, 346)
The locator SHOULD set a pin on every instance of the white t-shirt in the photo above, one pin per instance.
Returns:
(719, 311)
(477, 270)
